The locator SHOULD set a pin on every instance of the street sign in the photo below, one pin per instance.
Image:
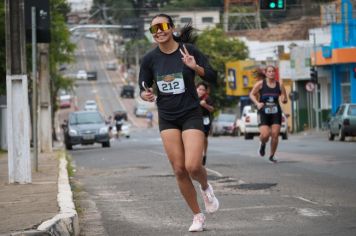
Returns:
(43, 23)
(310, 86)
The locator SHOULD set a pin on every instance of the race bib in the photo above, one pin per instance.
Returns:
(206, 120)
(171, 84)
(270, 109)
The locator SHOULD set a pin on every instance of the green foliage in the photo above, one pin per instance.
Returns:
(2, 50)
(61, 50)
(221, 49)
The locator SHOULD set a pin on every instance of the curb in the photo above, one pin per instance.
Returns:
(66, 222)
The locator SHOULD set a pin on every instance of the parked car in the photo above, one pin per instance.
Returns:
(343, 123)
(111, 66)
(86, 128)
(128, 91)
(82, 74)
(224, 124)
(248, 123)
(92, 75)
(90, 105)
(65, 101)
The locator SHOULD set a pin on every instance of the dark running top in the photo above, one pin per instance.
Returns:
(205, 111)
(176, 91)
(270, 96)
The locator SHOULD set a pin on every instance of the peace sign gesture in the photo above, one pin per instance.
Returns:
(188, 59)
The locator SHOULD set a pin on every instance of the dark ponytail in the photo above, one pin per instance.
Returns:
(186, 34)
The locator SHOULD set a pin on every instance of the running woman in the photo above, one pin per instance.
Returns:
(269, 91)
(206, 105)
(171, 67)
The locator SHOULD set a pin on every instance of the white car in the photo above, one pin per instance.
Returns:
(90, 105)
(248, 123)
(82, 74)
(125, 130)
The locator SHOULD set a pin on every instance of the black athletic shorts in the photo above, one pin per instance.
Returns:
(269, 119)
(207, 130)
(192, 120)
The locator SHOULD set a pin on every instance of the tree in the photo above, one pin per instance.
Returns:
(221, 49)
(61, 50)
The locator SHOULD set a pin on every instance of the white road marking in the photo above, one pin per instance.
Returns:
(214, 172)
(306, 200)
(312, 212)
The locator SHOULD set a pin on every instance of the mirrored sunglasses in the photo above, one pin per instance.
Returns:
(161, 26)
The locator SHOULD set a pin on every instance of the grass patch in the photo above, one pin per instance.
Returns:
(75, 186)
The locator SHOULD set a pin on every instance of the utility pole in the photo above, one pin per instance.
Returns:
(45, 118)
(316, 91)
(18, 116)
(34, 89)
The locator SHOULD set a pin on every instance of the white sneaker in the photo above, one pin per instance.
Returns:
(198, 224)
(210, 201)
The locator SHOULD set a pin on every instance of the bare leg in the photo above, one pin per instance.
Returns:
(193, 141)
(274, 138)
(264, 133)
(173, 144)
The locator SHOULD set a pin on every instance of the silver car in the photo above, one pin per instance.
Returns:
(86, 127)
(343, 123)
(223, 124)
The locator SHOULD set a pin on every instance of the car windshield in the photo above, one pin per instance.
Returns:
(226, 118)
(86, 118)
(90, 103)
(352, 110)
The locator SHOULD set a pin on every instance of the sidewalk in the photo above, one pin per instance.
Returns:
(44, 207)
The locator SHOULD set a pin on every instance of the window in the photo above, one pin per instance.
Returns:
(207, 19)
(186, 20)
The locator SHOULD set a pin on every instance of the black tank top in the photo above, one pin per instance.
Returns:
(269, 96)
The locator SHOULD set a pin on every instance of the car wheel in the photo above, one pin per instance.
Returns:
(341, 134)
(285, 136)
(248, 136)
(331, 136)
(69, 146)
(105, 144)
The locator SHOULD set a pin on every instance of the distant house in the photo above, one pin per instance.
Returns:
(200, 20)
(80, 5)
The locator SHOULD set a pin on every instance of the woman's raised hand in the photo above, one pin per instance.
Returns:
(187, 59)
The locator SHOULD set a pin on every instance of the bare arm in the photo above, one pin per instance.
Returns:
(284, 98)
(204, 104)
(253, 94)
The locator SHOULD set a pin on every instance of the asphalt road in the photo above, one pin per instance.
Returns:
(129, 189)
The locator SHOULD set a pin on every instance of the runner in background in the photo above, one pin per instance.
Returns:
(206, 105)
(270, 91)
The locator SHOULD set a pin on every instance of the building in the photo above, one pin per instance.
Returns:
(338, 57)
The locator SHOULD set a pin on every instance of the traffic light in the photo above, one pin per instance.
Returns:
(313, 74)
(273, 5)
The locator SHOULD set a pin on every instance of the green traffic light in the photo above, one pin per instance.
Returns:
(272, 5)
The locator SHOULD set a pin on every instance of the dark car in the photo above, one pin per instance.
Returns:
(92, 75)
(85, 127)
(127, 91)
(343, 123)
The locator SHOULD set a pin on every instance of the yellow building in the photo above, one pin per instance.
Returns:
(239, 77)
